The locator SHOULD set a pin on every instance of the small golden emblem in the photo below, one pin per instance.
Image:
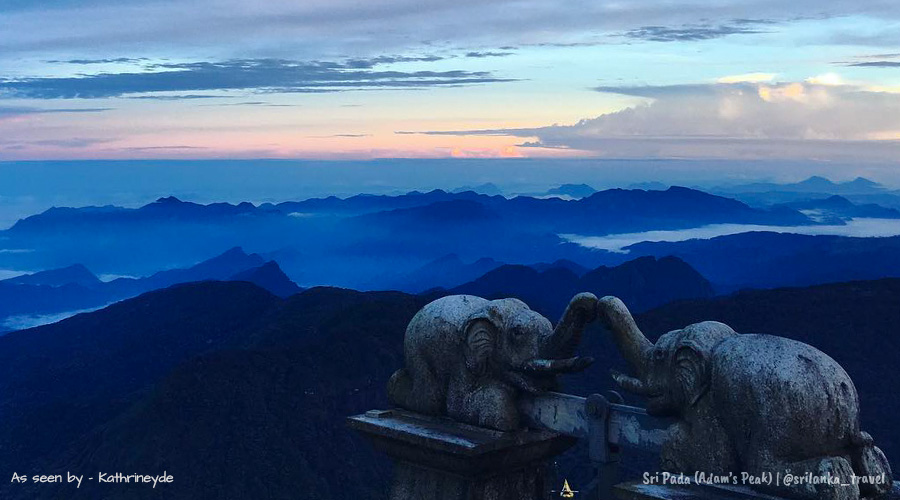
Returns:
(566, 491)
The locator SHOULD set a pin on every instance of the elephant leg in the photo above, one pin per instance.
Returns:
(671, 456)
(836, 468)
(840, 468)
(430, 393)
(399, 388)
(417, 390)
(685, 451)
(489, 405)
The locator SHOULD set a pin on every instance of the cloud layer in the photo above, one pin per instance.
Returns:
(17, 111)
(264, 75)
(316, 27)
(722, 119)
(691, 33)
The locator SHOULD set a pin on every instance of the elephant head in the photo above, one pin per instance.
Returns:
(674, 373)
(470, 358)
(521, 347)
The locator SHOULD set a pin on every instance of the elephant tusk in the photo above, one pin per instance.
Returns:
(631, 384)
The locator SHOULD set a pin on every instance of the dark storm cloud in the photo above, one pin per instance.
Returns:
(692, 33)
(266, 75)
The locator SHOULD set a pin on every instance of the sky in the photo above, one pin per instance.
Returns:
(338, 79)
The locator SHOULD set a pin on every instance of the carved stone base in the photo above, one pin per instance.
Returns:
(439, 459)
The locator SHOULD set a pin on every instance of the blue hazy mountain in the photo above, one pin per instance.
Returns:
(92, 367)
(368, 203)
(220, 267)
(572, 191)
(575, 267)
(814, 184)
(223, 383)
(768, 260)
(444, 272)
(29, 299)
(260, 380)
(643, 283)
(839, 208)
(170, 209)
(654, 185)
(487, 188)
(356, 241)
(270, 277)
(75, 274)
(859, 190)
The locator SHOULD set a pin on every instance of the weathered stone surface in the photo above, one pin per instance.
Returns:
(470, 358)
(750, 403)
(439, 459)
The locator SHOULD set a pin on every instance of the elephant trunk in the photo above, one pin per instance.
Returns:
(632, 344)
(582, 309)
(632, 384)
(552, 366)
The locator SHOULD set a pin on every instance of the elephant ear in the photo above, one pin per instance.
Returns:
(481, 332)
(691, 369)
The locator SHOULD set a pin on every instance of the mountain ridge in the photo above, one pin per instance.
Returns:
(18, 299)
(270, 392)
(644, 283)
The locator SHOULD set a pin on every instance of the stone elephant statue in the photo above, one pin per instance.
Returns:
(750, 403)
(469, 358)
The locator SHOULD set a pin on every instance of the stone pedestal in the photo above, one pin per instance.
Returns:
(440, 459)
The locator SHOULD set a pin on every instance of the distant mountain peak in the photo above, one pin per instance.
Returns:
(433, 192)
(862, 182)
(76, 274)
(573, 190)
(820, 182)
(234, 252)
(168, 199)
(487, 188)
(643, 282)
(271, 277)
(838, 200)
